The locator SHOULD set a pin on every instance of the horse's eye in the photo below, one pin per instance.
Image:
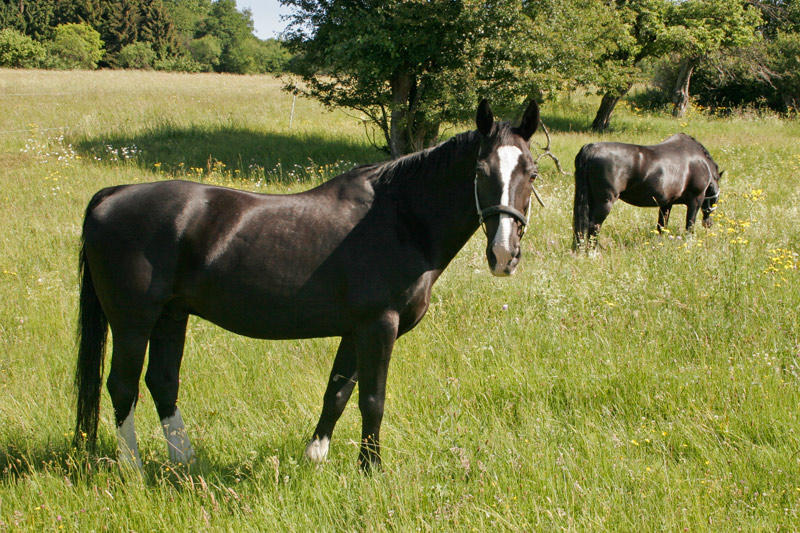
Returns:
(482, 169)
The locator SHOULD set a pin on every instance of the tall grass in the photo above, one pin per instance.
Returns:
(651, 387)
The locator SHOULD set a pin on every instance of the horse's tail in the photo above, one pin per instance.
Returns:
(92, 335)
(580, 212)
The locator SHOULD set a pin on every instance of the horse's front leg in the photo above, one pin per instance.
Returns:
(692, 207)
(374, 347)
(340, 385)
(663, 217)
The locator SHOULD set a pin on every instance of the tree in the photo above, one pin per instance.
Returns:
(187, 15)
(697, 28)
(233, 28)
(641, 24)
(410, 65)
(120, 26)
(157, 28)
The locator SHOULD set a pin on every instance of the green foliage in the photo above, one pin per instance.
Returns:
(18, 50)
(697, 28)
(137, 55)
(180, 63)
(270, 55)
(187, 15)
(33, 18)
(785, 54)
(77, 45)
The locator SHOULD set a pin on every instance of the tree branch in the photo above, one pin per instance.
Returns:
(547, 152)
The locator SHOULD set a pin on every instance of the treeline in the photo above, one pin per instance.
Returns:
(183, 35)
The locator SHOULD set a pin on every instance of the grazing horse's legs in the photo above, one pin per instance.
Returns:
(340, 385)
(374, 348)
(663, 217)
(123, 385)
(162, 378)
(692, 207)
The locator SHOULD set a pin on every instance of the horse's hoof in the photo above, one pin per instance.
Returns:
(317, 450)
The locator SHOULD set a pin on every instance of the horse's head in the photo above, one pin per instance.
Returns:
(711, 199)
(503, 181)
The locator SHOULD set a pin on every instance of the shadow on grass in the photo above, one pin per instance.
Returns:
(240, 152)
(21, 459)
(567, 124)
(271, 462)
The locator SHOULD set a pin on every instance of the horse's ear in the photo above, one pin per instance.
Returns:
(485, 118)
(530, 120)
(721, 173)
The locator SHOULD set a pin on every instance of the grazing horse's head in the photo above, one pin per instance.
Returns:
(503, 182)
(711, 199)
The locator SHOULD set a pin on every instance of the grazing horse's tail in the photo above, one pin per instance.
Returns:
(92, 335)
(580, 213)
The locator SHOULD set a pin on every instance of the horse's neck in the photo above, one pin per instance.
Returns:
(443, 206)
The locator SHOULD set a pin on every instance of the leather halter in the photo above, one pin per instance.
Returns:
(712, 202)
(496, 210)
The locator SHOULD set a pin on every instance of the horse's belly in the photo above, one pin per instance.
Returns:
(269, 317)
(642, 199)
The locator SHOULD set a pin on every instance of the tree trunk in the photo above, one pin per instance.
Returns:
(680, 97)
(398, 127)
(607, 105)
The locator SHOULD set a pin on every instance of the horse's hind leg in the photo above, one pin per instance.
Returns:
(599, 213)
(123, 385)
(663, 217)
(340, 385)
(162, 378)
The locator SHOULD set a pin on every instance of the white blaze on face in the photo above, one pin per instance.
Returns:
(178, 445)
(501, 246)
(128, 450)
(317, 449)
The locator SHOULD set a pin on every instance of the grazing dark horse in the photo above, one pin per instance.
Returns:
(676, 171)
(355, 257)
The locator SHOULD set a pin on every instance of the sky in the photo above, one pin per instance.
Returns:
(266, 16)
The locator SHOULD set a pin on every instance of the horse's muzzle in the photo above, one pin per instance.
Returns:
(503, 261)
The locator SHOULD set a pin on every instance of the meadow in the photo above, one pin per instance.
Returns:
(652, 386)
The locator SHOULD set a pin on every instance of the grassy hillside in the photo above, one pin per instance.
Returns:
(653, 386)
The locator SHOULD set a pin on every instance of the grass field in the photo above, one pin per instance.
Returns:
(654, 386)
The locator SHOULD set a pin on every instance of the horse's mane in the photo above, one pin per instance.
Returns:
(424, 164)
(705, 151)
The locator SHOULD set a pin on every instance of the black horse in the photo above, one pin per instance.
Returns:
(676, 171)
(354, 258)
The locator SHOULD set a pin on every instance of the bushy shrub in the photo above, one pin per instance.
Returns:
(76, 46)
(206, 50)
(18, 50)
(180, 63)
(137, 55)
